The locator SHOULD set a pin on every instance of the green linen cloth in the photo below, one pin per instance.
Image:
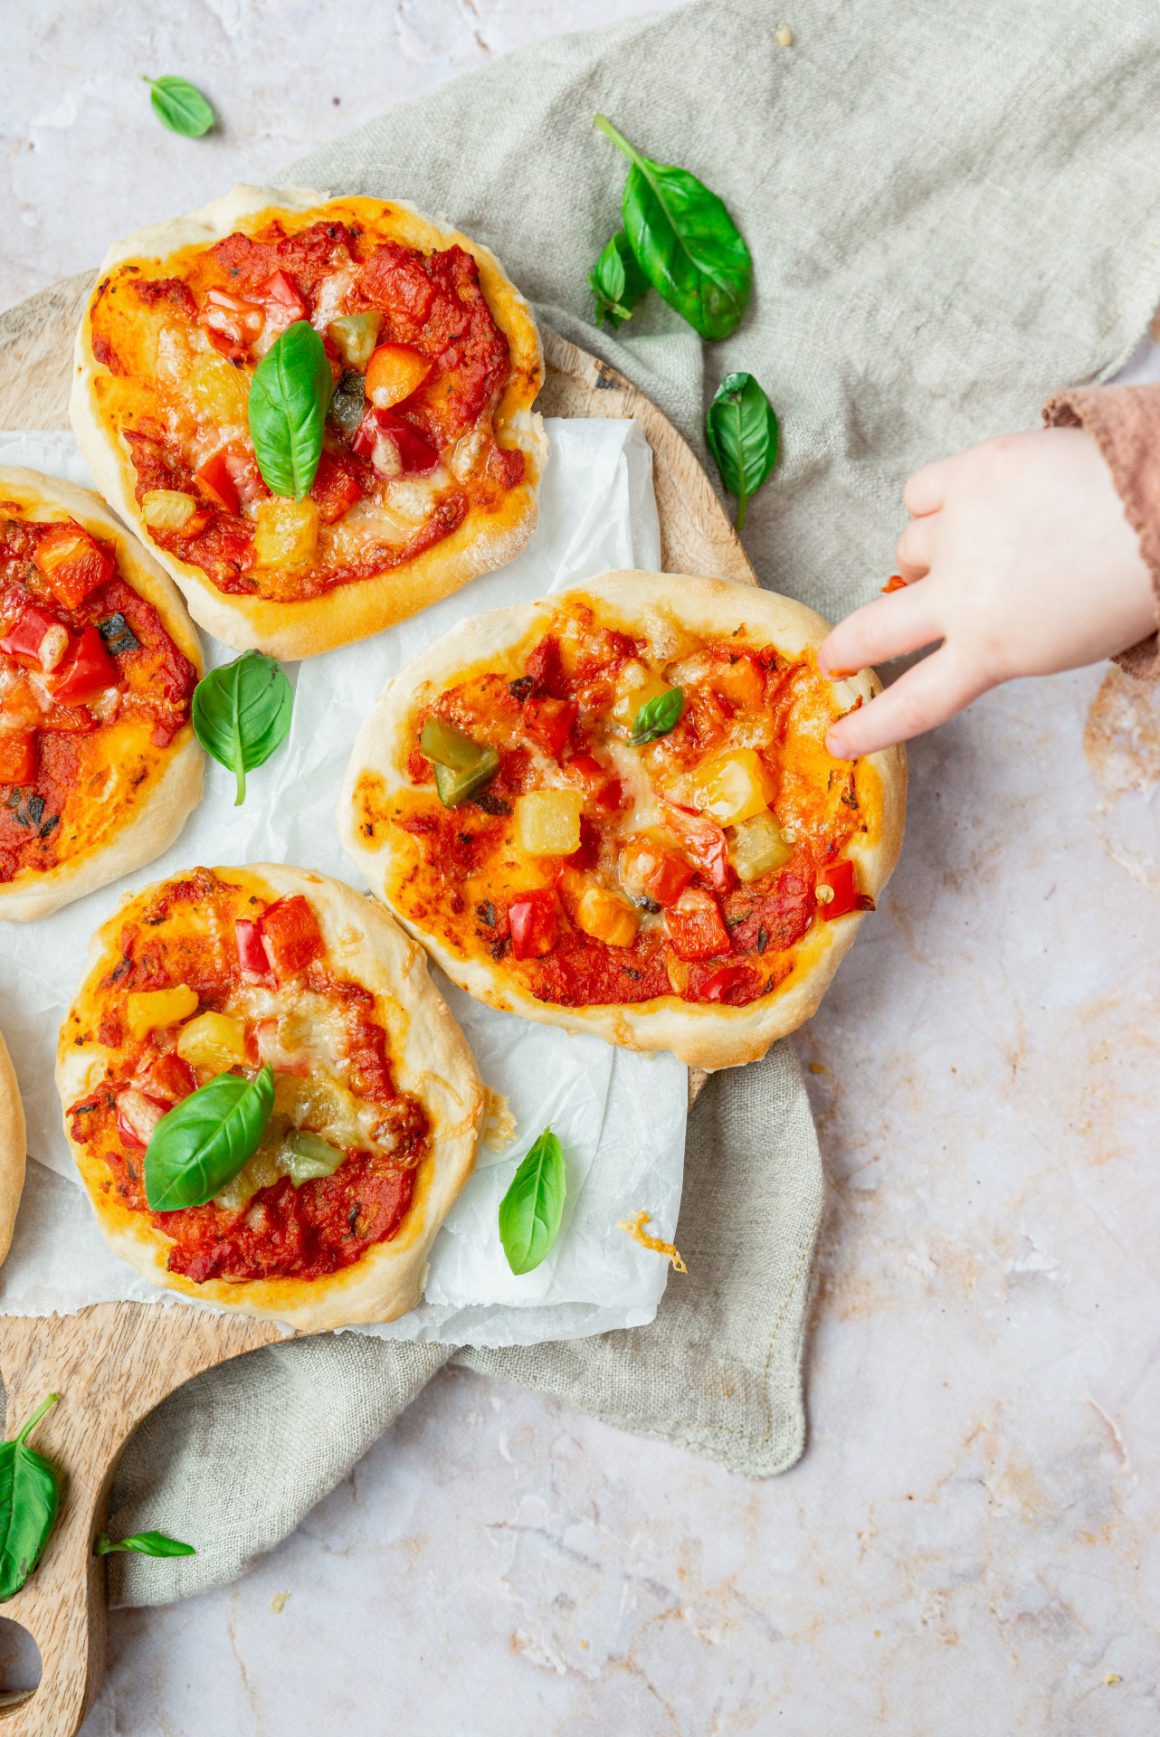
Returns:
(952, 210)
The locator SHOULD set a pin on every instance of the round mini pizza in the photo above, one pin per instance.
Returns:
(12, 1145)
(99, 767)
(268, 1100)
(431, 454)
(613, 810)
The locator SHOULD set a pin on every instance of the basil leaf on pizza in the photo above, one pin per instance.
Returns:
(143, 1544)
(742, 432)
(29, 1500)
(531, 1211)
(241, 714)
(687, 244)
(202, 1143)
(617, 281)
(657, 717)
(180, 106)
(288, 401)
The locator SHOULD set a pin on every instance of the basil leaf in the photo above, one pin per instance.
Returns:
(741, 428)
(180, 106)
(289, 398)
(617, 281)
(144, 1544)
(531, 1210)
(657, 717)
(687, 244)
(202, 1143)
(241, 713)
(29, 1500)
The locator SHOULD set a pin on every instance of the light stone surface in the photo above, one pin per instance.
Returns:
(968, 1546)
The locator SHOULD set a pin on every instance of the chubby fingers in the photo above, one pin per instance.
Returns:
(914, 551)
(930, 693)
(889, 627)
(925, 491)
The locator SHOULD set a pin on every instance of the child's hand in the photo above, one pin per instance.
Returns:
(1018, 558)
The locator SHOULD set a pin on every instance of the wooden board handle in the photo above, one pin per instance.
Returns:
(111, 1364)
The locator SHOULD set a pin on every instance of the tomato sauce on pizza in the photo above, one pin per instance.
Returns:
(419, 366)
(93, 692)
(611, 816)
(213, 978)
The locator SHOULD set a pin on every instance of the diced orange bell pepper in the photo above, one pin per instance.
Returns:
(72, 563)
(18, 756)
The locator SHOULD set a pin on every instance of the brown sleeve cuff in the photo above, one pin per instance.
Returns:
(1124, 422)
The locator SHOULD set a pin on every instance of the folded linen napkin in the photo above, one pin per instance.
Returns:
(951, 212)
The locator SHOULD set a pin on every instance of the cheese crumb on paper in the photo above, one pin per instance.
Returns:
(634, 1227)
(499, 1125)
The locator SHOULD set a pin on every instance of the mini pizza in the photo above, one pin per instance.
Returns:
(431, 452)
(12, 1145)
(99, 767)
(613, 810)
(376, 1104)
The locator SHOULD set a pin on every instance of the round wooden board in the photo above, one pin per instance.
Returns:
(115, 1361)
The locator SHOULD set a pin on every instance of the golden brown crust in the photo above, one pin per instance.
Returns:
(12, 1149)
(352, 611)
(173, 795)
(703, 1036)
(430, 1058)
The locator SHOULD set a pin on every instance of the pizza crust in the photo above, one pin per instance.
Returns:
(353, 611)
(429, 1057)
(703, 1036)
(13, 1142)
(178, 789)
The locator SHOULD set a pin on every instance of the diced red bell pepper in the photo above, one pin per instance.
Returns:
(18, 756)
(696, 927)
(138, 1115)
(167, 1076)
(281, 301)
(393, 445)
(549, 722)
(535, 923)
(335, 488)
(731, 982)
(649, 869)
(26, 635)
(252, 955)
(217, 480)
(705, 843)
(600, 785)
(72, 562)
(232, 323)
(842, 881)
(86, 670)
(292, 936)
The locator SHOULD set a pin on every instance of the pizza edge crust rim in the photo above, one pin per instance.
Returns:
(346, 612)
(13, 1149)
(176, 793)
(433, 1057)
(702, 1036)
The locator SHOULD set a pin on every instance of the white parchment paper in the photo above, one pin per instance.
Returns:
(621, 1117)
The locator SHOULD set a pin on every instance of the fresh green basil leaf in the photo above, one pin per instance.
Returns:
(531, 1210)
(180, 106)
(657, 717)
(29, 1500)
(617, 281)
(687, 244)
(289, 398)
(741, 428)
(202, 1143)
(144, 1544)
(241, 713)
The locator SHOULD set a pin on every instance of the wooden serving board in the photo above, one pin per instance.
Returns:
(115, 1361)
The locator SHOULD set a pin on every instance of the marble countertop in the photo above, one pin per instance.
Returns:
(967, 1545)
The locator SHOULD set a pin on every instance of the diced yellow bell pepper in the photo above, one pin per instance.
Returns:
(149, 1010)
(637, 686)
(607, 917)
(219, 391)
(731, 787)
(167, 509)
(286, 533)
(757, 847)
(213, 1042)
(547, 822)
